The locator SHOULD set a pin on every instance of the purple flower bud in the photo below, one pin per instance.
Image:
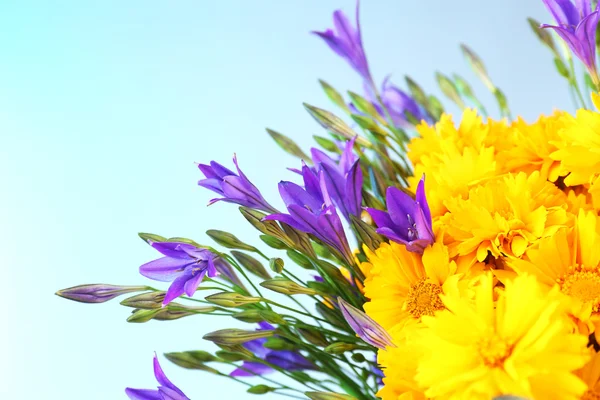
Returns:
(184, 265)
(235, 188)
(98, 293)
(312, 211)
(343, 179)
(346, 42)
(166, 390)
(408, 221)
(286, 359)
(577, 25)
(364, 326)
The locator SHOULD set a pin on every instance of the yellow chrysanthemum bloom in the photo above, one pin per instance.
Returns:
(399, 365)
(571, 259)
(579, 152)
(453, 159)
(403, 286)
(505, 216)
(531, 145)
(590, 374)
(523, 345)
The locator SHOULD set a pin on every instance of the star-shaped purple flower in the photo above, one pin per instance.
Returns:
(346, 41)
(285, 359)
(408, 221)
(312, 211)
(343, 179)
(234, 188)
(166, 390)
(183, 264)
(577, 25)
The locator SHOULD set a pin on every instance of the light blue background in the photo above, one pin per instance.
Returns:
(106, 105)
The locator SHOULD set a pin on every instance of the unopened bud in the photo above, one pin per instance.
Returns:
(313, 336)
(299, 259)
(276, 265)
(286, 286)
(230, 299)
(192, 360)
(146, 301)
(97, 293)
(236, 348)
(140, 316)
(277, 343)
(254, 316)
(236, 336)
(328, 396)
(260, 389)
(230, 356)
(357, 357)
(339, 348)
(251, 264)
(228, 240)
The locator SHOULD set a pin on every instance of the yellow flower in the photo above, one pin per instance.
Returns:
(531, 145)
(403, 286)
(523, 345)
(454, 159)
(590, 374)
(571, 259)
(579, 152)
(399, 365)
(505, 216)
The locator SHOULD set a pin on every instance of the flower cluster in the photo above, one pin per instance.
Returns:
(513, 278)
(411, 257)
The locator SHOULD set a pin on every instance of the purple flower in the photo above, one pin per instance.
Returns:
(343, 179)
(408, 220)
(183, 264)
(577, 26)
(312, 211)
(98, 293)
(235, 188)
(364, 326)
(285, 359)
(347, 43)
(397, 103)
(166, 390)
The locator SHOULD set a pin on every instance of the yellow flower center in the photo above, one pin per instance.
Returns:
(582, 283)
(494, 350)
(591, 395)
(424, 299)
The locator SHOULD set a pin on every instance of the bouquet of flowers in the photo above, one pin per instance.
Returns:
(416, 258)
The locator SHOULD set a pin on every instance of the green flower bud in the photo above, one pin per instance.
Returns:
(146, 301)
(236, 336)
(299, 259)
(286, 286)
(230, 299)
(251, 264)
(192, 360)
(273, 242)
(229, 240)
(340, 347)
(260, 389)
(313, 336)
(231, 356)
(140, 316)
(287, 144)
(276, 265)
(359, 358)
(277, 343)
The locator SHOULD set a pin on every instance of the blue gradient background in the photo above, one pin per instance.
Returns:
(105, 106)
